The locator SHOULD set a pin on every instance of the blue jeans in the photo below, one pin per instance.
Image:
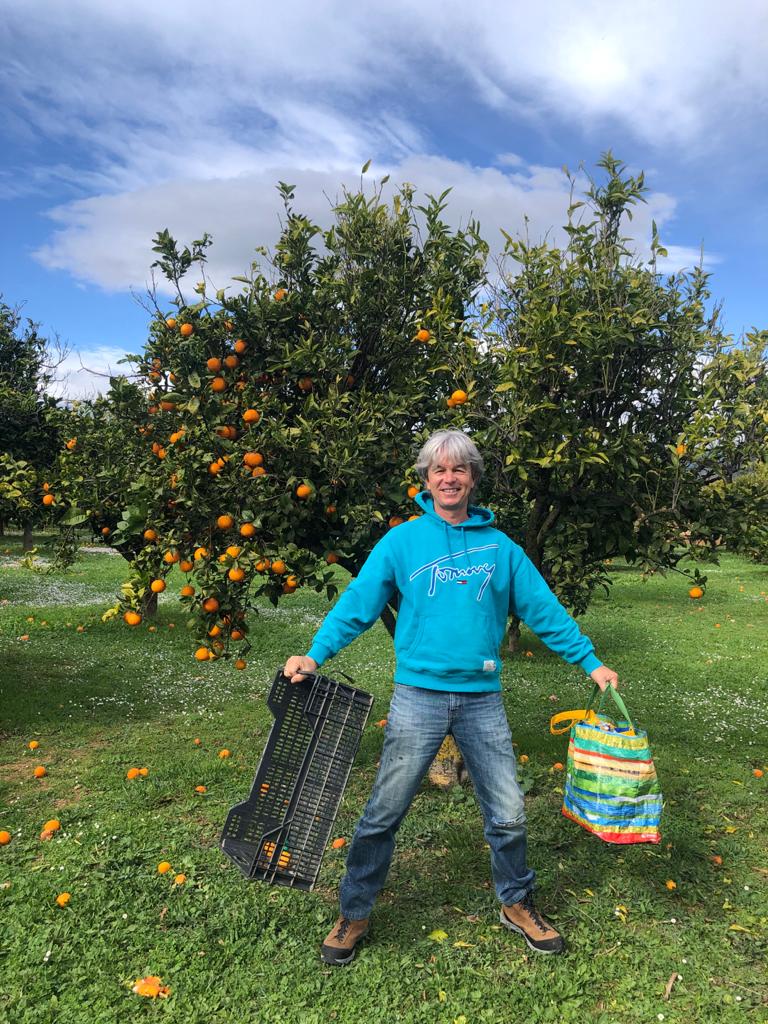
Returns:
(419, 720)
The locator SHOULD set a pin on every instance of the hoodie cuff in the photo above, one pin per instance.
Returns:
(319, 653)
(590, 663)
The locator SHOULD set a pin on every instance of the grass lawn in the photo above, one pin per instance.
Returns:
(106, 698)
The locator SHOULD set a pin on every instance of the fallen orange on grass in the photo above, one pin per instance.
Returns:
(203, 654)
(716, 859)
(758, 773)
(163, 867)
(200, 789)
(197, 741)
(338, 843)
(557, 766)
(224, 753)
(63, 899)
(52, 825)
(39, 772)
(695, 593)
(670, 884)
(33, 744)
(240, 664)
(179, 879)
(5, 837)
(132, 773)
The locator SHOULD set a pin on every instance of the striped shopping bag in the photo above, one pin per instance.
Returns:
(611, 788)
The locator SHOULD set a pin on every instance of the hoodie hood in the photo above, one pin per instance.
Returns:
(478, 515)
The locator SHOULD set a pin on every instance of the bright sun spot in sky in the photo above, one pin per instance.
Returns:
(595, 64)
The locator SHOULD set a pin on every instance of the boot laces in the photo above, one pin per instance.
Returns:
(527, 903)
(343, 929)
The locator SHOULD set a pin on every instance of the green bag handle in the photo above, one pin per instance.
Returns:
(617, 701)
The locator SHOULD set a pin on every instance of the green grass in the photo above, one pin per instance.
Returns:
(107, 698)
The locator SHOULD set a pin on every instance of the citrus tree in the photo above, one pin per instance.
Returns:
(594, 368)
(279, 422)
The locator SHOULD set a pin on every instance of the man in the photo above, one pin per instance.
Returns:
(458, 579)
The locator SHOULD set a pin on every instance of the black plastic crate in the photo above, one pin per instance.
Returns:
(279, 834)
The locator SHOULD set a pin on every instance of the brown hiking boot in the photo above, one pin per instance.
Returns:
(524, 918)
(339, 946)
(444, 770)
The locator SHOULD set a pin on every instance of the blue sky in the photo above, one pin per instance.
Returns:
(119, 120)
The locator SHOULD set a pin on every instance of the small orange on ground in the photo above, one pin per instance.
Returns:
(63, 899)
(236, 575)
(202, 654)
(459, 397)
(52, 825)
(186, 330)
(132, 773)
(758, 773)
(303, 491)
(224, 753)
(240, 664)
(200, 789)
(211, 604)
(253, 459)
(557, 766)
(39, 772)
(670, 884)
(48, 499)
(151, 986)
(144, 772)
(213, 364)
(225, 522)
(170, 323)
(150, 535)
(247, 530)
(279, 567)
(338, 843)
(5, 837)
(381, 723)
(251, 415)
(695, 593)
(240, 346)
(218, 384)
(523, 759)
(716, 859)
(179, 879)
(33, 744)
(197, 741)
(132, 618)
(163, 867)
(157, 586)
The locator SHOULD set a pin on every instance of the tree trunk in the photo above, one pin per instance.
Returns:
(149, 605)
(513, 634)
(2, 528)
(26, 542)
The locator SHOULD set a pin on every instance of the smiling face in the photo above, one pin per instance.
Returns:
(450, 484)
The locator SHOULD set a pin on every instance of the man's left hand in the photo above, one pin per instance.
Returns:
(605, 676)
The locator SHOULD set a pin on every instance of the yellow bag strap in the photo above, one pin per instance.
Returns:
(568, 718)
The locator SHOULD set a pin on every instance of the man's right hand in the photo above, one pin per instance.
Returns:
(297, 667)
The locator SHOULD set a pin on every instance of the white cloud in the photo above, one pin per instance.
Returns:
(85, 373)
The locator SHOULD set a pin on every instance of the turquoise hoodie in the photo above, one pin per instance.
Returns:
(457, 586)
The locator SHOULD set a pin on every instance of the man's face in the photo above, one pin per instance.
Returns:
(450, 484)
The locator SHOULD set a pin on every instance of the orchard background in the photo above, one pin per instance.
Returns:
(263, 441)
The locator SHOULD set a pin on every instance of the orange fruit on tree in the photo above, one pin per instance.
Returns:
(236, 634)
(233, 550)
(251, 415)
(218, 384)
(132, 618)
(213, 364)
(157, 586)
(72, 443)
(187, 591)
(167, 406)
(170, 323)
(247, 530)
(305, 384)
(459, 397)
(225, 522)
(236, 575)
(240, 346)
(395, 521)
(200, 553)
(231, 362)
(450, 403)
(214, 631)
(105, 531)
(331, 558)
(291, 583)
(330, 510)
(39, 772)
(695, 593)
(202, 654)
(171, 556)
(150, 535)
(280, 294)
(262, 565)
(423, 334)
(253, 459)
(259, 471)
(186, 330)
(413, 490)
(211, 605)
(303, 491)
(279, 567)
(48, 499)
(214, 468)
(185, 565)
(5, 837)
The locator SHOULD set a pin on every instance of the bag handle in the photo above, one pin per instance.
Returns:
(562, 722)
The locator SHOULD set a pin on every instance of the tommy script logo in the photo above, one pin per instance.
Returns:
(441, 573)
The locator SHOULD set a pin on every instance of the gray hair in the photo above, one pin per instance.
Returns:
(456, 446)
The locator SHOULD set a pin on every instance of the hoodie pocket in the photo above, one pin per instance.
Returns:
(443, 645)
